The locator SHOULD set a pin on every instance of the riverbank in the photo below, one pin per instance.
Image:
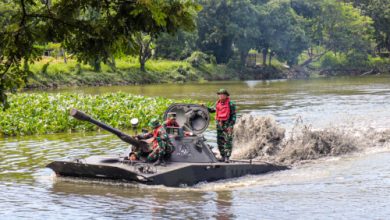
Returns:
(32, 114)
(53, 73)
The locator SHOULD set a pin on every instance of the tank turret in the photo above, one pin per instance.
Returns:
(194, 119)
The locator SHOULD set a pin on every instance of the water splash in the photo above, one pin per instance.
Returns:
(314, 144)
(261, 138)
(256, 137)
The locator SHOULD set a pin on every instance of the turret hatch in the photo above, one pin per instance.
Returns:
(191, 117)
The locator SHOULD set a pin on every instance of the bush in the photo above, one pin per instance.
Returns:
(357, 60)
(332, 61)
(198, 59)
(184, 74)
(382, 64)
(234, 63)
(44, 68)
(77, 69)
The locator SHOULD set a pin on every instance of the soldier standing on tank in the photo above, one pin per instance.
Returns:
(225, 119)
(162, 147)
(171, 121)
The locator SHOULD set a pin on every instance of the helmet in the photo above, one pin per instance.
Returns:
(172, 115)
(223, 91)
(154, 123)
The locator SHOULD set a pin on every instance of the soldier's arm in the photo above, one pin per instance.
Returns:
(233, 116)
(162, 135)
(211, 109)
(145, 136)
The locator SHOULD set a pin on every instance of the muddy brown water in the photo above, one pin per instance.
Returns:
(346, 186)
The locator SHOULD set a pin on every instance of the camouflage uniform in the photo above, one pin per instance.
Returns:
(170, 123)
(224, 136)
(162, 145)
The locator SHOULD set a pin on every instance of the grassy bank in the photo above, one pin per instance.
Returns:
(339, 64)
(51, 72)
(49, 113)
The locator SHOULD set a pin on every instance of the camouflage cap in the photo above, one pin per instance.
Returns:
(172, 115)
(154, 122)
(223, 91)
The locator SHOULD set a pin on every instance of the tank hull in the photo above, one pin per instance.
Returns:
(173, 174)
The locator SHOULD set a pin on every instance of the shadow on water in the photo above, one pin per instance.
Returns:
(148, 201)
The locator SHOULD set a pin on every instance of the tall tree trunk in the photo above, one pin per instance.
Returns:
(264, 52)
(64, 55)
(141, 61)
(243, 56)
(142, 66)
(96, 65)
(270, 58)
(26, 67)
(145, 52)
(310, 52)
(223, 51)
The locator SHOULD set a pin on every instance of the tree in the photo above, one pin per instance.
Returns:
(283, 32)
(214, 37)
(16, 45)
(245, 20)
(336, 26)
(176, 46)
(379, 12)
(90, 29)
(343, 27)
(143, 47)
(223, 24)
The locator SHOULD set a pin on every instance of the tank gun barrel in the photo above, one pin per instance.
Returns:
(124, 137)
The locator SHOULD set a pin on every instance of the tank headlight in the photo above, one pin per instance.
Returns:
(134, 122)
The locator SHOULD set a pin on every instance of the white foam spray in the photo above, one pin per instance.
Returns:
(261, 138)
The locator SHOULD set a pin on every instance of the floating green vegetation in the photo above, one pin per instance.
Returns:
(49, 113)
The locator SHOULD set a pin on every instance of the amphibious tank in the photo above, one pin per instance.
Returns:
(193, 160)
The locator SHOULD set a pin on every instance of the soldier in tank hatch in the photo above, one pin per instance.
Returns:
(171, 121)
(225, 119)
(133, 156)
(171, 126)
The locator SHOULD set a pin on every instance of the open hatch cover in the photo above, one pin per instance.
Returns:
(192, 117)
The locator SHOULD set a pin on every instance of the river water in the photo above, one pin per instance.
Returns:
(352, 186)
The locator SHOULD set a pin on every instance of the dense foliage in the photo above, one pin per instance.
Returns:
(288, 29)
(379, 12)
(353, 33)
(49, 113)
(92, 30)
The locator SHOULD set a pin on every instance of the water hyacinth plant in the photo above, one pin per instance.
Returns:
(49, 113)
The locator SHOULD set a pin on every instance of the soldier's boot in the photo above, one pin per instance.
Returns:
(159, 162)
(163, 163)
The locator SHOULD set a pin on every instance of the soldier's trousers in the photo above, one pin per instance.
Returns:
(224, 139)
(162, 150)
(156, 153)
